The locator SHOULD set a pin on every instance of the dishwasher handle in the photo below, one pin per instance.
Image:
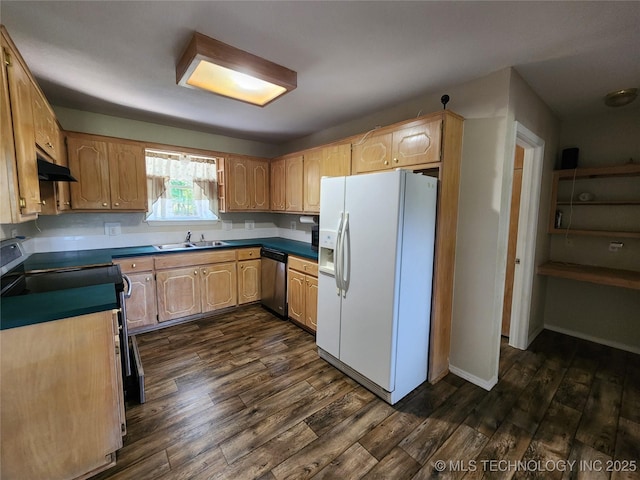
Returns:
(273, 254)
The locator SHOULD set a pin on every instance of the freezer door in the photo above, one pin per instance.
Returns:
(369, 309)
(329, 299)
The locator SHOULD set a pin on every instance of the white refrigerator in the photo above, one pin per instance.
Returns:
(375, 261)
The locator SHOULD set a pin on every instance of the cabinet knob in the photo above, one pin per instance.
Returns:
(195, 272)
(395, 160)
(251, 254)
(133, 265)
(67, 203)
(43, 202)
(386, 162)
(242, 267)
(104, 204)
(148, 279)
(116, 204)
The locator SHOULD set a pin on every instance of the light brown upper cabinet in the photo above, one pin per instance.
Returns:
(294, 184)
(278, 175)
(20, 192)
(47, 132)
(111, 174)
(414, 144)
(328, 161)
(244, 183)
(287, 184)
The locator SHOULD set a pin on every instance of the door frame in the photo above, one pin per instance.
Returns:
(527, 233)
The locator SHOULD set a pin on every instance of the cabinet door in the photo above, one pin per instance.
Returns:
(296, 295)
(259, 184)
(178, 293)
(311, 302)
(336, 160)
(63, 191)
(218, 286)
(249, 281)
(67, 372)
(142, 309)
(88, 162)
(127, 177)
(418, 144)
(293, 183)
(312, 173)
(237, 173)
(46, 128)
(277, 192)
(20, 94)
(372, 153)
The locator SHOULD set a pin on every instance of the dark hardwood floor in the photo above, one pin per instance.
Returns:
(244, 395)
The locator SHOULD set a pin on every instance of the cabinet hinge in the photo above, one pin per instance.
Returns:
(22, 202)
(7, 58)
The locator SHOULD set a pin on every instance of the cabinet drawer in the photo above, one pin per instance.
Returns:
(302, 265)
(135, 264)
(248, 253)
(195, 258)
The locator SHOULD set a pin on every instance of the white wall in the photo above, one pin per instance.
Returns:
(604, 314)
(98, 124)
(528, 109)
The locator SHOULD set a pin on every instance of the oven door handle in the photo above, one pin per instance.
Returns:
(125, 328)
(129, 287)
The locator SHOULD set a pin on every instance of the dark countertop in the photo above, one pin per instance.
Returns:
(43, 307)
(104, 256)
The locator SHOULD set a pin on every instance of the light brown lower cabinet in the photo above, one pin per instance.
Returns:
(141, 306)
(302, 291)
(178, 293)
(206, 281)
(62, 413)
(218, 286)
(249, 276)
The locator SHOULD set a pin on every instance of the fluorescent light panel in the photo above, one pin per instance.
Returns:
(214, 66)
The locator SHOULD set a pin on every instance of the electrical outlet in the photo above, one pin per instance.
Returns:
(227, 225)
(293, 225)
(112, 228)
(14, 232)
(249, 224)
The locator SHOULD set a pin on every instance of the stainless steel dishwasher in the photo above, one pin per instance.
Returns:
(274, 281)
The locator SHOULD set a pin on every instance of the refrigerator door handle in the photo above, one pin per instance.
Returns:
(345, 256)
(338, 256)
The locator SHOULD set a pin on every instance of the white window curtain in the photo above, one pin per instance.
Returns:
(163, 167)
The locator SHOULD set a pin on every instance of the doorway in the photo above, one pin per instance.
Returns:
(525, 237)
(512, 260)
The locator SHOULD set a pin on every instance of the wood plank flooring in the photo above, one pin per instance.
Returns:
(243, 395)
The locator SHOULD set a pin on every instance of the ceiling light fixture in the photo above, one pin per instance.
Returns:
(620, 98)
(228, 71)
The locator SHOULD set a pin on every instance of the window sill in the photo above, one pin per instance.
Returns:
(169, 223)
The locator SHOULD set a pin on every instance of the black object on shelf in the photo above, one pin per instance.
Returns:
(569, 158)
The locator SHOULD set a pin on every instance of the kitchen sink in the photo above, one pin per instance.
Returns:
(173, 246)
(208, 243)
(181, 245)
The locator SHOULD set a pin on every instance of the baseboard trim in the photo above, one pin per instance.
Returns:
(590, 338)
(486, 384)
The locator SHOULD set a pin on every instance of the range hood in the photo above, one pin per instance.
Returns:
(53, 173)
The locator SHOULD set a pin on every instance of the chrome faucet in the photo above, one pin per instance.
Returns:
(188, 239)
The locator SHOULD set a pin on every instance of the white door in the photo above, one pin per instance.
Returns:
(369, 310)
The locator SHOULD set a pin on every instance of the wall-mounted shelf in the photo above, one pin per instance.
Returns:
(614, 210)
(586, 273)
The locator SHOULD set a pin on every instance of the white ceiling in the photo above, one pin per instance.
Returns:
(352, 58)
